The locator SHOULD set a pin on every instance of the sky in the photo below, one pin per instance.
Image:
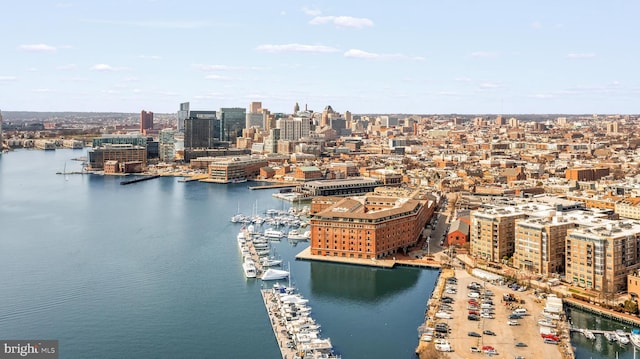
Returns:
(402, 56)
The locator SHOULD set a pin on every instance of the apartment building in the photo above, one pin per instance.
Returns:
(492, 232)
(628, 208)
(540, 244)
(602, 256)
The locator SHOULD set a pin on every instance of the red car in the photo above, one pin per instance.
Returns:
(472, 301)
(474, 312)
(488, 347)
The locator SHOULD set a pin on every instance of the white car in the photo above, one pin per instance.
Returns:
(513, 322)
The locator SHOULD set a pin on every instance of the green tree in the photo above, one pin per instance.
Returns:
(631, 306)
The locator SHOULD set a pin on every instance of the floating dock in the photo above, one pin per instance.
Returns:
(139, 179)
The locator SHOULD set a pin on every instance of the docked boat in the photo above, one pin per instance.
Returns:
(610, 336)
(275, 274)
(589, 334)
(621, 336)
(296, 235)
(273, 233)
(635, 337)
(249, 267)
(270, 262)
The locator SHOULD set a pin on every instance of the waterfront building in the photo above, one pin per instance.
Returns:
(123, 153)
(235, 169)
(307, 173)
(45, 145)
(135, 139)
(338, 187)
(540, 244)
(493, 232)
(183, 114)
(146, 121)
(600, 257)
(75, 144)
(370, 226)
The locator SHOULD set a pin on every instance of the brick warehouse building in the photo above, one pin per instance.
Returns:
(371, 226)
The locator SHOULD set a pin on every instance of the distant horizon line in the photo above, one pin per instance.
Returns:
(353, 113)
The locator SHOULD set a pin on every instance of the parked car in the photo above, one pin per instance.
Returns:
(474, 334)
(513, 322)
(488, 332)
(486, 315)
(515, 316)
(473, 317)
(476, 350)
(521, 344)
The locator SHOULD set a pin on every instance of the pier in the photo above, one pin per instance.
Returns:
(275, 185)
(139, 179)
(603, 312)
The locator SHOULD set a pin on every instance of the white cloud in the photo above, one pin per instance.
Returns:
(536, 25)
(342, 21)
(361, 54)
(67, 67)
(581, 55)
(311, 12)
(7, 78)
(541, 96)
(38, 48)
(484, 54)
(102, 67)
(296, 48)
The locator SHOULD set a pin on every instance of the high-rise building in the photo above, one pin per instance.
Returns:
(539, 244)
(255, 107)
(183, 114)
(232, 121)
(293, 129)
(612, 127)
(166, 139)
(492, 232)
(200, 129)
(146, 121)
(271, 142)
(601, 257)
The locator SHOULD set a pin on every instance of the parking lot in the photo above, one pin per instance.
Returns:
(488, 326)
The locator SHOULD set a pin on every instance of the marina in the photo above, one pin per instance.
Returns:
(297, 334)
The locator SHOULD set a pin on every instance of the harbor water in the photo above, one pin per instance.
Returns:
(152, 270)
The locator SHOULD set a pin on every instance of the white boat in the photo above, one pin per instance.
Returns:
(273, 233)
(621, 336)
(270, 262)
(295, 234)
(249, 268)
(610, 336)
(589, 334)
(635, 337)
(275, 274)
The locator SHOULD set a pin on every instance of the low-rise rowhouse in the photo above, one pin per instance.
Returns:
(370, 226)
(458, 233)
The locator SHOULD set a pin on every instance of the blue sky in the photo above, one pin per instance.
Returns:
(399, 56)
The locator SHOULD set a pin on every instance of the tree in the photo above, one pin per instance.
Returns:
(631, 306)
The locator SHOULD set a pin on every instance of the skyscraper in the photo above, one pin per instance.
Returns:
(255, 107)
(146, 121)
(200, 129)
(183, 114)
(233, 120)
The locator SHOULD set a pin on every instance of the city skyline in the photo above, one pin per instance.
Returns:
(410, 57)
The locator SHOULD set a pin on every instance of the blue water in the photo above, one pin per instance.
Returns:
(152, 270)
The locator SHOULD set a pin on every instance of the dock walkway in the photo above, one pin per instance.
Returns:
(279, 329)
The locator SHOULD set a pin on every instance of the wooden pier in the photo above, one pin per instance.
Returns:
(279, 329)
(139, 179)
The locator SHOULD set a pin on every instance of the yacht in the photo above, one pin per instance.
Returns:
(589, 334)
(275, 274)
(635, 337)
(249, 268)
(610, 336)
(621, 336)
(273, 233)
(295, 234)
(270, 261)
